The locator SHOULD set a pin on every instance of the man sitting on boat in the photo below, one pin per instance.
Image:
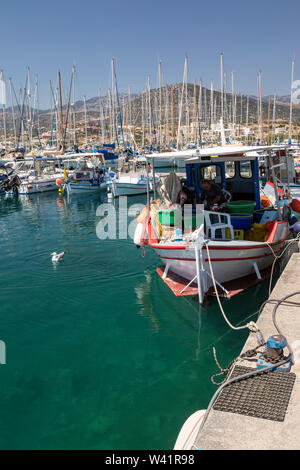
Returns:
(211, 195)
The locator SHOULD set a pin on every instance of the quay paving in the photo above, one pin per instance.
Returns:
(234, 431)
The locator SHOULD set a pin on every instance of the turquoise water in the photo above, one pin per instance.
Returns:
(100, 354)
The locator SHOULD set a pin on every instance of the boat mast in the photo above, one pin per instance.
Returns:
(291, 102)
(85, 120)
(149, 111)
(261, 109)
(3, 99)
(233, 104)
(129, 114)
(195, 112)
(37, 105)
(73, 106)
(60, 119)
(29, 110)
(274, 114)
(181, 102)
(143, 122)
(167, 137)
(13, 111)
(160, 102)
(211, 105)
(222, 86)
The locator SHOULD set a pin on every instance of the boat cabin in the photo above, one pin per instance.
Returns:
(87, 174)
(238, 175)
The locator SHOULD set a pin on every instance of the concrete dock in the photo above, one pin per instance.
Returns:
(233, 431)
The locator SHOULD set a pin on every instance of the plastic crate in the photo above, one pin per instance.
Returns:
(239, 234)
(170, 217)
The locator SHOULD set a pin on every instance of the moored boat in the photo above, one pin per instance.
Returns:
(212, 251)
(133, 184)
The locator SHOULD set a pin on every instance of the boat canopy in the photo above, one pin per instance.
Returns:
(195, 154)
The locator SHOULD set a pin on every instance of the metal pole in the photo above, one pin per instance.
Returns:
(147, 170)
(153, 176)
(275, 186)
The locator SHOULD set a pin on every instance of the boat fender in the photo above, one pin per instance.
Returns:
(138, 234)
(142, 215)
(296, 205)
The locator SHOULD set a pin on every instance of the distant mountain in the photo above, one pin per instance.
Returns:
(170, 98)
(279, 99)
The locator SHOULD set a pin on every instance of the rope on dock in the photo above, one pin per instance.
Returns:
(279, 302)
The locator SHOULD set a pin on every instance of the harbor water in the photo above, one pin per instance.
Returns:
(99, 353)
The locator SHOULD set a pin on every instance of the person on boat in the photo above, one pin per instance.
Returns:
(211, 195)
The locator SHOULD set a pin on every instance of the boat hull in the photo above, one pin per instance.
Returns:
(230, 260)
(82, 188)
(37, 187)
(128, 189)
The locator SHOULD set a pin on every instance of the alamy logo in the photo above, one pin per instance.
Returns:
(2, 352)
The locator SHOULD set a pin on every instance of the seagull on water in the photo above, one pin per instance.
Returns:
(57, 256)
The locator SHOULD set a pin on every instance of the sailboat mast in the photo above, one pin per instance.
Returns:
(160, 102)
(181, 102)
(233, 104)
(13, 112)
(291, 102)
(149, 111)
(85, 120)
(222, 86)
(2, 84)
(74, 101)
(274, 115)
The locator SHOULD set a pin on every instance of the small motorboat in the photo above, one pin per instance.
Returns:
(87, 180)
(133, 184)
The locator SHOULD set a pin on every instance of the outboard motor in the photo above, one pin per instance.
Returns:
(9, 181)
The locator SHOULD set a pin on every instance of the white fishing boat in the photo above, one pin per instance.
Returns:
(87, 180)
(133, 184)
(213, 250)
(41, 176)
(39, 184)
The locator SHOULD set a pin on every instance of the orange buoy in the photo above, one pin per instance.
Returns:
(58, 182)
(29, 186)
(296, 205)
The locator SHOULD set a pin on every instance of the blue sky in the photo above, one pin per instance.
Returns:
(48, 36)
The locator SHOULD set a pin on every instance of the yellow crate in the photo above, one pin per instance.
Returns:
(238, 234)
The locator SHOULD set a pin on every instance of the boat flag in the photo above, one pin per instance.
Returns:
(65, 175)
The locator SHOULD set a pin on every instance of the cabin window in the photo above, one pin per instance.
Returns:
(230, 169)
(246, 170)
(211, 172)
